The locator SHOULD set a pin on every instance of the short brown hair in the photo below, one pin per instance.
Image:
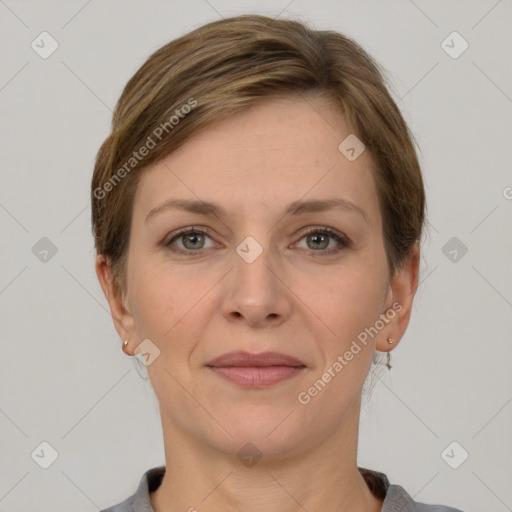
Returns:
(226, 66)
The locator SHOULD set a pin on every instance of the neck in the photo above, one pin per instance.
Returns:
(199, 477)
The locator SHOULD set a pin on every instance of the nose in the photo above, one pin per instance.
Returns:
(256, 291)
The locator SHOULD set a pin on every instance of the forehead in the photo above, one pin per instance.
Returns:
(271, 154)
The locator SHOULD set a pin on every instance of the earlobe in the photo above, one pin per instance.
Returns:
(122, 318)
(402, 291)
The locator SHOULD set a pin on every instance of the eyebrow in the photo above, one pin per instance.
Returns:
(294, 208)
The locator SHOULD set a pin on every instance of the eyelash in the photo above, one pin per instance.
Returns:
(341, 239)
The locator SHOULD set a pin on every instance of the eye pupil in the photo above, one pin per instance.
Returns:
(319, 237)
(191, 236)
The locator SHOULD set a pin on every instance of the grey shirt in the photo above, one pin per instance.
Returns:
(396, 498)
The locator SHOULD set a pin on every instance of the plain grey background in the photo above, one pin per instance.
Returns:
(64, 379)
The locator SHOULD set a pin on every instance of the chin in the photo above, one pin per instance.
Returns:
(267, 432)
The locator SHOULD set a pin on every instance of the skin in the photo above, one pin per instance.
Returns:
(197, 307)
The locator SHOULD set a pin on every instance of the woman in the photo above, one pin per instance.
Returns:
(257, 211)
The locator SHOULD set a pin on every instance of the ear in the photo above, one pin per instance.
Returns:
(121, 316)
(400, 299)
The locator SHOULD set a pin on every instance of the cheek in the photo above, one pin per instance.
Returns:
(155, 303)
(168, 306)
(350, 302)
(347, 300)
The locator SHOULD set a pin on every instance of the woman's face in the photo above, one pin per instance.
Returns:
(261, 275)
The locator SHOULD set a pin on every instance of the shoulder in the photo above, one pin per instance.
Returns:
(395, 497)
(140, 501)
(125, 506)
(398, 499)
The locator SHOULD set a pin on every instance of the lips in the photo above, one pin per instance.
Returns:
(263, 359)
(256, 370)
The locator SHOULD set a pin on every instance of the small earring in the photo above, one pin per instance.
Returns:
(391, 340)
(125, 343)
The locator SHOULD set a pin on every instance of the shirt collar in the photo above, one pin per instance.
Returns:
(395, 497)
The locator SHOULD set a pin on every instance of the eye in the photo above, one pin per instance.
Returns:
(319, 239)
(192, 240)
